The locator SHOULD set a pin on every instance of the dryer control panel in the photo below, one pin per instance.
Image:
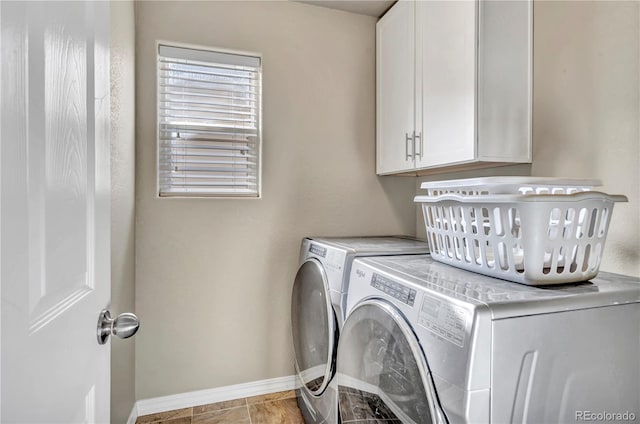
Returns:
(318, 250)
(393, 289)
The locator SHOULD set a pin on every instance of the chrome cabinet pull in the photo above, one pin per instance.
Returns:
(407, 139)
(415, 136)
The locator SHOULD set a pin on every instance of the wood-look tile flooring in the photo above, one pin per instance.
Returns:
(272, 408)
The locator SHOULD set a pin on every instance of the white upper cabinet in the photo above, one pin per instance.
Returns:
(395, 53)
(453, 85)
(445, 66)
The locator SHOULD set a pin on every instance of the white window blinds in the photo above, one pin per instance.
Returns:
(208, 123)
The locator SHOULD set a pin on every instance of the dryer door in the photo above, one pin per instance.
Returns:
(313, 324)
(382, 370)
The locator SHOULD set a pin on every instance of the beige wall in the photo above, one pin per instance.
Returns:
(213, 277)
(586, 110)
(122, 202)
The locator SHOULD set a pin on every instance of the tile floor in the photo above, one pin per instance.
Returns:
(272, 408)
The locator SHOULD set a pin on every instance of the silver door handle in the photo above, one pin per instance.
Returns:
(415, 136)
(124, 326)
(407, 139)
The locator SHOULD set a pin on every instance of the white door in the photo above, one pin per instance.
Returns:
(395, 88)
(54, 211)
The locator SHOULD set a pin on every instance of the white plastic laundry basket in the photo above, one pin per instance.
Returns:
(534, 239)
(509, 185)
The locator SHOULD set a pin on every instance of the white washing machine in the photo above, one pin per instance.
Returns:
(317, 312)
(424, 342)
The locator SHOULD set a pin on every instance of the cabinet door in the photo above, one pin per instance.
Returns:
(395, 80)
(445, 66)
(504, 81)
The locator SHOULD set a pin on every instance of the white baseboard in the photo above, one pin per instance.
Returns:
(203, 397)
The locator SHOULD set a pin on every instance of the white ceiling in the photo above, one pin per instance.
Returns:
(363, 7)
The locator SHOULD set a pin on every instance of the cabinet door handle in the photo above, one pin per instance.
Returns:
(416, 136)
(407, 139)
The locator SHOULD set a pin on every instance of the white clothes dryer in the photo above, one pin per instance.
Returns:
(317, 313)
(424, 342)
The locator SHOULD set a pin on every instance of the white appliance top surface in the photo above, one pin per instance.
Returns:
(368, 245)
(504, 298)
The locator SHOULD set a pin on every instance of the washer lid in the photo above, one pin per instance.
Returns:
(382, 370)
(313, 324)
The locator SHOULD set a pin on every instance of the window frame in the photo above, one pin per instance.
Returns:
(157, 122)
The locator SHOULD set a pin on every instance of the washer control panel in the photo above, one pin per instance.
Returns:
(393, 289)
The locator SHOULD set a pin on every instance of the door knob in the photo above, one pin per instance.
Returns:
(124, 326)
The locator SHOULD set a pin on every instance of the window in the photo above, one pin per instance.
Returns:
(209, 138)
